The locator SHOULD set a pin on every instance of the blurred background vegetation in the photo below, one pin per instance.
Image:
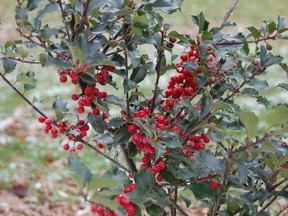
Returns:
(33, 167)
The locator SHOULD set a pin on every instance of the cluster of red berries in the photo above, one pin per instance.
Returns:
(102, 211)
(129, 207)
(53, 127)
(195, 143)
(86, 100)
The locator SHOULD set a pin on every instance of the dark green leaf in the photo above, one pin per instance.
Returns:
(97, 123)
(281, 23)
(159, 197)
(283, 85)
(122, 135)
(207, 36)
(201, 22)
(116, 122)
(202, 190)
(277, 116)
(160, 150)
(138, 196)
(112, 99)
(138, 74)
(32, 4)
(24, 79)
(31, 75)
(129, 85)
(76, 166)
(255, 32)
(21, 13)
(59, 107)
(260, 84)
(185, 173)
(154, 210)
(271, 27)
(9, 65)
(98, 182)
(205, 106)
(144, 179)
(49, 8)
(165, 6)
(181, 37)
(267, 59)
(76, 53)
(187, 201)
(250, 122)
(57, 62)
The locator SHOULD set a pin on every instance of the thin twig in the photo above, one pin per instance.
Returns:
(181, 211)
(127, 77)
(236, 90)
(273, 199)
(25, 61)
(76, 139)
(64, 18)
(22, 96)
(30, 39)
(222, 187)
(158, 69)
(282, 210)
(229, 13)
(102, 154)
(245, 42)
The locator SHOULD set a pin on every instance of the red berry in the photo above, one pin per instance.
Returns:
(63, 78)
(70, 137)
(94, 208)
(41, 119)
(66, 147)
(75, 97)
(132, 128)
(73, 75)
(48, 121)
(184, 57)
(81, 122)
(100, 145)
(54, 131)
(80, 109)
(88, 91)
(155, 169)
(102, 95)
(214, 185)
(96, 111)
(111, 68)
(147, 110)
(159, 178)
(80, 146)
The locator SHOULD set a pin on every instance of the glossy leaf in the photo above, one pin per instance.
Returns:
(98, 124)
(76, 166)
(9, 65)
(250, 122)
(165, 6)
(33, 4)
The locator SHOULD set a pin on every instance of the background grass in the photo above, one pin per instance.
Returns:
(23, 156)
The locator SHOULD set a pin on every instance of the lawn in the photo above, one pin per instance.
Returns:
(33, 167)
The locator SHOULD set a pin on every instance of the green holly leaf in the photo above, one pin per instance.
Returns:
(98, 124)
(165, 6)
(33, 4)
(9, 65)
(202, 190)
(250, 122)
(76, 166)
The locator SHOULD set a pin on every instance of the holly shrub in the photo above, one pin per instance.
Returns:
(163, 108)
